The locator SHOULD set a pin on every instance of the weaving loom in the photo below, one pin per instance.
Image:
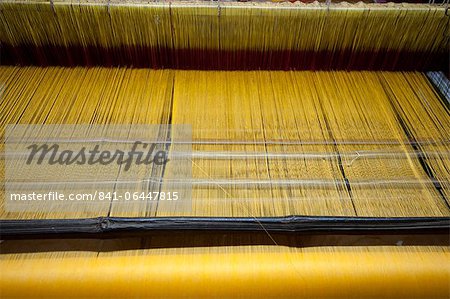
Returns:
(317, 163)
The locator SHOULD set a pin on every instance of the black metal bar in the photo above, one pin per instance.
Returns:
(99, 227)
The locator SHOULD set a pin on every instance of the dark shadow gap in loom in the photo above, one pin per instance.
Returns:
(195, 239)
(161, 58)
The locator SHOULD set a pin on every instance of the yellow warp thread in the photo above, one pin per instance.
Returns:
(232, 26)
(260, 106)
